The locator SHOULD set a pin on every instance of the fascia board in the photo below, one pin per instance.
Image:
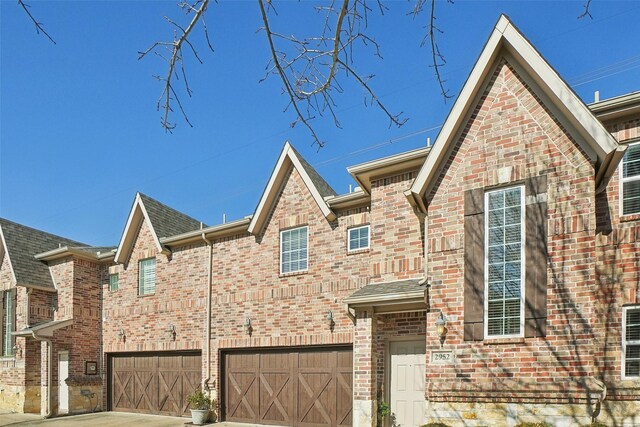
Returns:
(324, 207)
(6, 253)
(591, 129)
(266, 201)
(599, 141)
(138, 213)
(457, 114)
(287, 159)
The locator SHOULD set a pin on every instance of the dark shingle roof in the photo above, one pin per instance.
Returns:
(389, 288)
(323, 187)
(22, 244)
(167, 221)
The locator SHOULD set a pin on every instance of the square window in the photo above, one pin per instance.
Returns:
(147, 277)
(293, 250)
(631, 342)
(113, 282)
(358, 238)
(630, 181)
(504, 224)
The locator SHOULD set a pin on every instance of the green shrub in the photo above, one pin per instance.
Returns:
(436, 424)
(534, 425)
(198, 400)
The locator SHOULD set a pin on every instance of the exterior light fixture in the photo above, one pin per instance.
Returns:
(122, 335)
(172, 331)
(441, 327)
(330, 320)
(247, 326)
(17, 350)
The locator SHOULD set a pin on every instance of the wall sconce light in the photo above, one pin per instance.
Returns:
(247, 326)
(122, 335)
(17, 350)
(441, 327)
(172, 331)
(330, 321)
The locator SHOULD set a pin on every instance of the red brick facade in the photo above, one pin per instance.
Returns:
(512, 133)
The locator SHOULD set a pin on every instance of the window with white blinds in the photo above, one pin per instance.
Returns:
(504, 262)
(147, 277)
(8, 321)
(630, 178)
(631, 342)
(294, 253)
(358, 238)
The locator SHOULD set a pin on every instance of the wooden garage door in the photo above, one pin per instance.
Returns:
(153, 383)
(294, 387)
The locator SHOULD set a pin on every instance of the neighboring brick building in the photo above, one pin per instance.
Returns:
(50, 322)
(486, 280)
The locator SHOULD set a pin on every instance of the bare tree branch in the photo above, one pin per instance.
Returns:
(174, 48)
(38, 25)
(309, 68)
(586, 10)
(437, 58)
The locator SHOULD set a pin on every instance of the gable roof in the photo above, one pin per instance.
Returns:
(163, 221)
(317, 186)
(21, 244)
(507, 39)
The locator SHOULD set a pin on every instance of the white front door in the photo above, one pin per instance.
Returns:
(63, 389)
(406, 393)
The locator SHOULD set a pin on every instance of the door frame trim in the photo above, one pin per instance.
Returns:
(61, 352)
(387, 362)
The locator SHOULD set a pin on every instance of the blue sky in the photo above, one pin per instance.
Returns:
(79, 132)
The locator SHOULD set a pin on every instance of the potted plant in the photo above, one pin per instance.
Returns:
(199, 404)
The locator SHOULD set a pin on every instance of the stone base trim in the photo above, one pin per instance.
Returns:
(457, 414)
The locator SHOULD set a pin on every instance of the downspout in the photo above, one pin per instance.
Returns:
(49, 372)
(207, 341)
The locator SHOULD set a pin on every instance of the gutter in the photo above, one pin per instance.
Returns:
(608, 168)
(214, 231)
(207, 328)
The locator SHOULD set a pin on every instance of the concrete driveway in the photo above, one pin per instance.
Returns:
(98, 419)
(106, 419)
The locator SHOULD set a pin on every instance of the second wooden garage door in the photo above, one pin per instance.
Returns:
(294, 387)
(153, 383)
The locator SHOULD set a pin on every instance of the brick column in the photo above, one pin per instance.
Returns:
(364, 370)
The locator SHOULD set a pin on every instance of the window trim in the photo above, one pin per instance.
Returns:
(8, 295)
(117, 276)
(485, 303)
(155, 276)
(624, 342)
(622, 180)
(349, 230)
(281, 246)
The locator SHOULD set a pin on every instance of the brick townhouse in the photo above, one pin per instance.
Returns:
(489, 279)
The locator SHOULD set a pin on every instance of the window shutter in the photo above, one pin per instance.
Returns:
(474, 265)
(536, 257)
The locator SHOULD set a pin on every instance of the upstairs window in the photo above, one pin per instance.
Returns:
(294, 254)
(8, 321)
(147, 277)
(113, 282)
(630, 196)
(504, 262)
(358, 238)
(631, 342)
